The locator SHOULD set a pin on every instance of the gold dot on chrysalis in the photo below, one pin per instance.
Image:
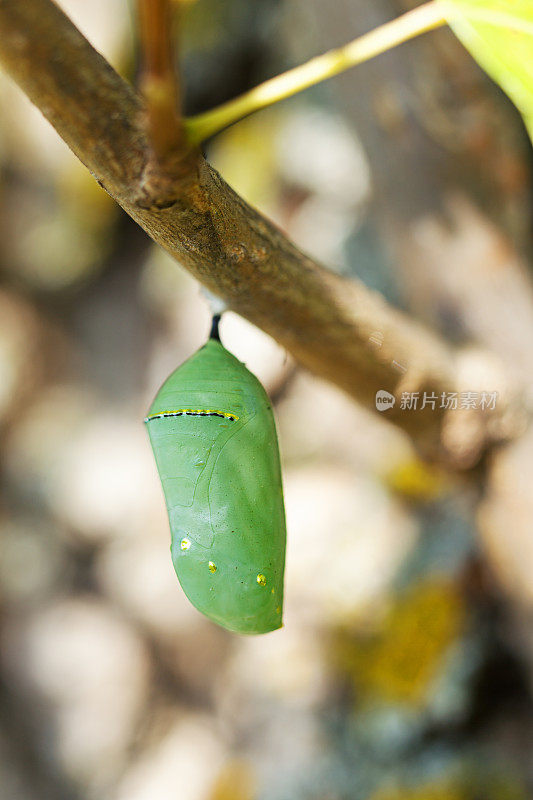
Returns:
(261, 580)
(212, 567)
(185, 544)
(278, 610)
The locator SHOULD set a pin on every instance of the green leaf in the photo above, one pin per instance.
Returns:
(499, 34)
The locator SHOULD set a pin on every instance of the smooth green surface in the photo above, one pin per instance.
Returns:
(499, 34)
(222, 485)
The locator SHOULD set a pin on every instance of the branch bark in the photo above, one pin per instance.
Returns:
(337, 328)
(159, 82)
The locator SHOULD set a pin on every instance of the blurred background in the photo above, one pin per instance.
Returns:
(404, 668)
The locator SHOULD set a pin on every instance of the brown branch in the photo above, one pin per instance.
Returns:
(96, 113)
(337, 328)
(158, 80)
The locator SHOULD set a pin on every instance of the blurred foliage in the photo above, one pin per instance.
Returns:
(235, 782)
(226, 48)
(417, 480)
(468, 788)
(400, 661)
(499, 35)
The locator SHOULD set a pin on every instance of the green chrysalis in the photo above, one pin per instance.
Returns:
(214, 440)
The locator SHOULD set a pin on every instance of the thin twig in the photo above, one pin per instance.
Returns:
(420, 20)
(158, 81)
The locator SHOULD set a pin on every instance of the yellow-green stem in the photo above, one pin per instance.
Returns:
(419, 20)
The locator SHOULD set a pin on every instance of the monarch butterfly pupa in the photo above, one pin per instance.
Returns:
(214, 440)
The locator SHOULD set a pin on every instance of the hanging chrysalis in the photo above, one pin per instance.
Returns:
(214, 440)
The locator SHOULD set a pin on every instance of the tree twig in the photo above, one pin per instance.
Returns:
(339, 329)
(420, 20)
(158, 81)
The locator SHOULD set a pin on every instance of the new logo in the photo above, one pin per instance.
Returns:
(384, 400)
